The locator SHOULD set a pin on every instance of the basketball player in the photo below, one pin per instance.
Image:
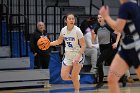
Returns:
(129, 52)
(74, 49)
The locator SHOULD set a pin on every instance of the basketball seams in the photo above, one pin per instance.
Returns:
(43, 43)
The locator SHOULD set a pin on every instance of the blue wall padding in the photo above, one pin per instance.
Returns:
(55, 67)
(87, 78)
(31, 55)
(16, 45)
(4, 34)
(15, 41)
(23, 45)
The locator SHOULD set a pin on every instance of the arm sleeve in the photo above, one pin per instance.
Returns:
(88, 40)
(61, 33)
(123, 11)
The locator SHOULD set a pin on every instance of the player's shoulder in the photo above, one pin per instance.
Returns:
(76, 28)
(128, 4)
(64, 29)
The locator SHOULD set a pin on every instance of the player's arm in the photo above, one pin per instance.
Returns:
(57, 42)
(82, 44)
(118, 36)
(117, 25)
(114, 45)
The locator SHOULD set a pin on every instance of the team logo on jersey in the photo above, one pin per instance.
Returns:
(69, 38)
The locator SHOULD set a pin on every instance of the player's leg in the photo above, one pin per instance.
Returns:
(65, 72)
(117, 69)
(137, 64)
(138, 72)
(75, 79)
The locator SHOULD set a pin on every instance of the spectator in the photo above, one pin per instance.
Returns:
(41, 57)
(91, 51)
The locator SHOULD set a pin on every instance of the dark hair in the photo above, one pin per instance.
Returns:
(68, 15)
(90, 22)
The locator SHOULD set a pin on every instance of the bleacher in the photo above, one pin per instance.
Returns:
(15, 65)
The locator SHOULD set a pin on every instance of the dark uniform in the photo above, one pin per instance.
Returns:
(130, 44)
(41, 60)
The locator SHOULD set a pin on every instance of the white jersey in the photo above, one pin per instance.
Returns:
(71, 38)
(72, 46)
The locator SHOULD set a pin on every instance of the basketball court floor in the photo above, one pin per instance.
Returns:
(68, 88)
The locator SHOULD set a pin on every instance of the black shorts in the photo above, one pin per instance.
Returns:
(130, 56)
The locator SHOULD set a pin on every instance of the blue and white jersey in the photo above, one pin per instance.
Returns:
(130, 12)
(71, 38)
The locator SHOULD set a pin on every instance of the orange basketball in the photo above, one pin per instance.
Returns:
(43, 43)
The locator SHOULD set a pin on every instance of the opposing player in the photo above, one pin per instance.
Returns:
(129, 52)
(74, 49)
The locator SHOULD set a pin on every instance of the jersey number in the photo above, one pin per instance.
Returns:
(69, 44)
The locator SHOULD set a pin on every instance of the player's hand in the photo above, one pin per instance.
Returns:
(35, 54)
(114, 46)
(104, 11)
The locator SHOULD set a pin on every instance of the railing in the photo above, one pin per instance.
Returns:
(55, 17)
(3, 25)
(30, 11)
(95, 6)
(13, 30)
(18, 35)
(19, 15)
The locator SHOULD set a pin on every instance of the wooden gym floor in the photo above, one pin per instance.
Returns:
(68, 88)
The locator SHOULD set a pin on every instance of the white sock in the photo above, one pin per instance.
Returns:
(76, 92)
(78, 77)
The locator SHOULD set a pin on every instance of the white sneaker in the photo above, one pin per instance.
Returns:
(93, 70)
(76, 92)
(78, 77)
(47, 86)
